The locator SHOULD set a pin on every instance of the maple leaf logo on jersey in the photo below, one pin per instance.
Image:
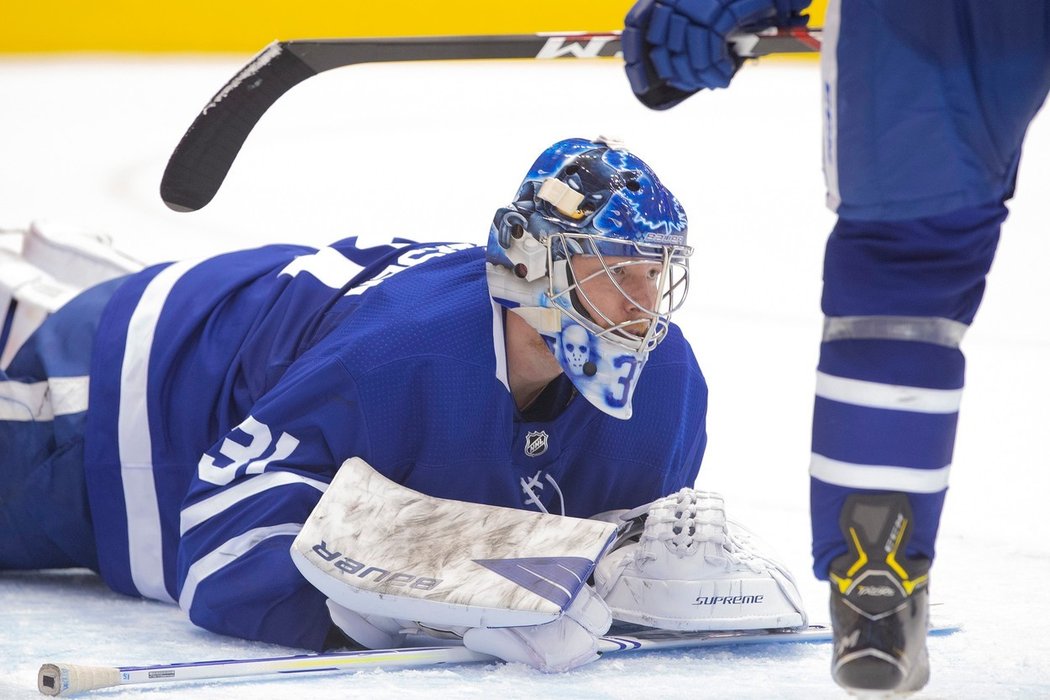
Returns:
(535, 443)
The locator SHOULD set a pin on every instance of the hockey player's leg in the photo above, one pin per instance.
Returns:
(898, 298)
(681, 564)
(44, 513)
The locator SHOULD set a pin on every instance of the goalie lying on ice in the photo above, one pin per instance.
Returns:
(174, 428)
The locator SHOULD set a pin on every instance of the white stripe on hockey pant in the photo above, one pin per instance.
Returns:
(873, 476)
(920, 329)
(42, 401)
(889, 396)
(196, 514)
(24, 402)
(829, 71)
(227, 553)
(327, 265)
(145, 545)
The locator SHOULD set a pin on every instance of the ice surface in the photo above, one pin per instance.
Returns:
(430, 151)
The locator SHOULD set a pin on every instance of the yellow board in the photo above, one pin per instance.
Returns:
(248, 25)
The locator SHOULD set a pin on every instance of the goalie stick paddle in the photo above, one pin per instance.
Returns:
(203, 157)
(68, 679)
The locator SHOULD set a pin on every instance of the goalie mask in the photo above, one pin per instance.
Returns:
(592, 254)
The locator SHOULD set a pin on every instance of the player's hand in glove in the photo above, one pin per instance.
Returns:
(561, 645)
(370, 631)
(568, 642)
(673, 48)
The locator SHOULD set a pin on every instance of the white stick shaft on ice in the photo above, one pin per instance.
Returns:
(68, 679)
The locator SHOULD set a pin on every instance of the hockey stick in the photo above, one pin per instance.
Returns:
(67, 679)
(200, 162)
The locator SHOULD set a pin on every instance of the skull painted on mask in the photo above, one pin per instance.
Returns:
(576, 348)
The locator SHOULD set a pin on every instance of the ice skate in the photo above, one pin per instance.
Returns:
(879, 601)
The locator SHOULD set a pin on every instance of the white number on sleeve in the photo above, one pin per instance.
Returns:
(249, 455)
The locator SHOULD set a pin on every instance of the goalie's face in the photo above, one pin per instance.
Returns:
(618, 292)
(625, 297)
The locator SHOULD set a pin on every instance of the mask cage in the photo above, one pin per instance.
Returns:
(672, 285)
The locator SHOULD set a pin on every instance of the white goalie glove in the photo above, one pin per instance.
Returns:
(561, 645)
(680, 564)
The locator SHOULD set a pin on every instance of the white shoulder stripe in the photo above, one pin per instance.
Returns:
(890, 396)
(330, 267)
(881, 477)
(145, 545)
(227, 553)
(213, 505)
(42, 401)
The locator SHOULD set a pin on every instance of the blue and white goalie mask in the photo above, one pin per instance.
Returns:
(592, 254)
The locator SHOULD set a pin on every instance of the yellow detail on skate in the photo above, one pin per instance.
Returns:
(862, 556)
(891, 559)
(844, 582)
(911, 584)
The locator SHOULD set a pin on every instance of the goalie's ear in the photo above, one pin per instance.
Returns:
(377, 547)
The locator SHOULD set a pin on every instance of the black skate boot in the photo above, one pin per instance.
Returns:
(879, 600)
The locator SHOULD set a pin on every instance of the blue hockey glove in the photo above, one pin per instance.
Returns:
(673, 48)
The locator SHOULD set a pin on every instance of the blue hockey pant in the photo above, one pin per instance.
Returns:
(898, 297)
(45, 521)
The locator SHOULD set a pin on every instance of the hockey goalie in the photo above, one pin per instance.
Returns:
(390, 445)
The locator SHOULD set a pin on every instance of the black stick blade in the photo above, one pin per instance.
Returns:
(199, 164)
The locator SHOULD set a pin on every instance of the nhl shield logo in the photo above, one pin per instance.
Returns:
(535, 443)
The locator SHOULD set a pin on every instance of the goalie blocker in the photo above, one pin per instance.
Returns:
(376, 547)
(401, 568)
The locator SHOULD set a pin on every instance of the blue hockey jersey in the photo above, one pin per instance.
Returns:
(226, 392)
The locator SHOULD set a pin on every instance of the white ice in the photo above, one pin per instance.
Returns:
(430, 151)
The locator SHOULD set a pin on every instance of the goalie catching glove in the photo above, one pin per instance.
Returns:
(680, 564)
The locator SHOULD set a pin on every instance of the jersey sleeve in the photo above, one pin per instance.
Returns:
(252, 492)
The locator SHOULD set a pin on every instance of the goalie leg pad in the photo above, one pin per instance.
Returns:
(692, 569)
(28, 296)
(41, 269)
(78, 258)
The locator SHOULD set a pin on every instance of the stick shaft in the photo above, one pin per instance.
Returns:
(67, 679)
(203, 157)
